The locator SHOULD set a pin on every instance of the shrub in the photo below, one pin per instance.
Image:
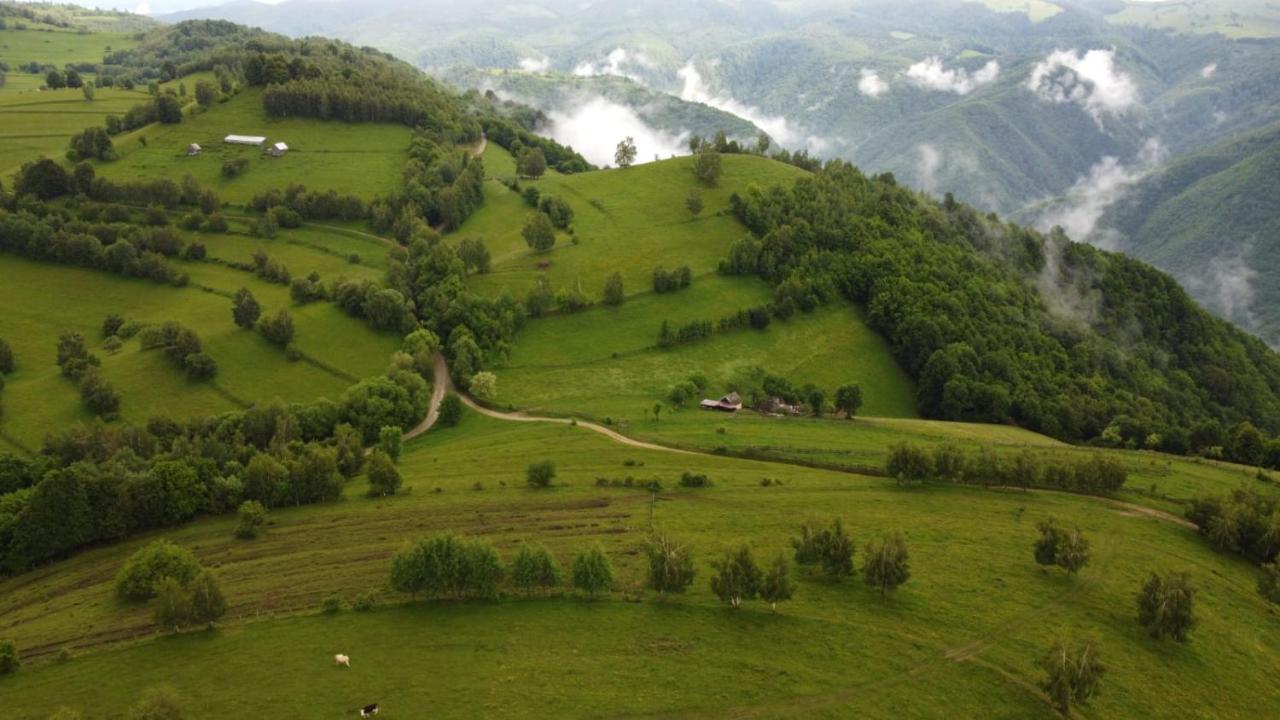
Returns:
(331, 605)
(534, 567)
(252, 516)
(450, 411)
(200, 366)
(364, 602)
(157, 703)
(540, 474)
(592, 571)
(9, 662)
(694, 480)
(145, 569)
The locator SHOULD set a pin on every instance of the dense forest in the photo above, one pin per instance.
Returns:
(998, 323)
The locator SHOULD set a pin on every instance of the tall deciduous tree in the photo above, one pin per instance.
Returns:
(776, 585)
(625, 154)
(384, 478)
(1073, 671)
(887, 565)
(592, 571)
(534, 567)
(849, 399)
(737, 577)
(706, 165)
(539, 233)
(245, 309)
(670, 564)
(613, 291)
(1166, 605)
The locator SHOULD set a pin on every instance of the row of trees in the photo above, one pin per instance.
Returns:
(449, 566)
(910, 463)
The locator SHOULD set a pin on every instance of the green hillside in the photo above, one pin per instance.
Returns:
(939, 642)
(1210, 219)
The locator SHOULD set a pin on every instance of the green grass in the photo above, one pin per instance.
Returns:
(37, 399)
(366, 159)
(59, 47)
(625, 220)
(959, 639)
(1232, 18)
(1035, 10)
(33, 124)
(603, 362)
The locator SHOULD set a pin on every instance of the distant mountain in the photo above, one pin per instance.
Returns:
(1212, 220)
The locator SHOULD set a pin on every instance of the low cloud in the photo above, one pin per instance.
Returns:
(695, 89)
(536, 65)
(930, 74)
(1089, 79)
(1225, 286)
(1107, 183)
(870, 84)
(595, 125)
(620, 62)
(927, 167)
(1208, 70)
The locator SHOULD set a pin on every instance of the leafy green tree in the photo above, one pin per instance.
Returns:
(670, 564)
(1247, 444)
(245, 309)
(206, 93)
(207, 602)
(849, 399)
(384, 478)
(168, 109)
(55, 80)
(539, 233)
(531, 162)
(592, 572)
(706, 166)
(613, 291)
(1073, 671)
(540, 474)
(1046, 547)
(173, 604)
(1166, 605)
(829, 547)
(775, 587)
(475, 256)
(44, 178)
(817, 401)
(1073, 551)
(278, 327)
(693, 203)
(737, 577)
(484, 386)
(391, 441)
(887, 565)
(9, 662)
(143, 572)
(200, 366)
(482, 569)
(88, 91)
(625, 154)
(909, 463)
(450, 411)
(559, 211)
(99, 397)
(534, 567)
(251, 517)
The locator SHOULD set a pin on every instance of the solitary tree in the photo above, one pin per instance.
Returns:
(534, 567)
(887, 566)
(592, 571)
(613, 291)
(625, 155)
(706, 165)
(1068, 549)
(539, 233)
(670, 564)
(829, 547)
(737, 577)
(88, 91)
(278, 327)
(849, 400)
(484, 386)
(1073, 672)
(540, 474)
(245, 309)
(1166, 605)
(776, 585)
(693, 203)
(817, 401)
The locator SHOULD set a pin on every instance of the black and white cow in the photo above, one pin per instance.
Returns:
(369, 710)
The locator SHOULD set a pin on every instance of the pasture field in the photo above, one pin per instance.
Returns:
(60, 47)
(604, 362)
(33, 124)
(960, 638)
(305, 250)
(43, 300)
(366, 159)
(628, 221)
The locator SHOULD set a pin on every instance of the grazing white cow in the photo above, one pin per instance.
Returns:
(342, 660)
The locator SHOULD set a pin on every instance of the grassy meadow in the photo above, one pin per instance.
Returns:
(35, 124)
(366, 159)
(960, 638)
(45, 300)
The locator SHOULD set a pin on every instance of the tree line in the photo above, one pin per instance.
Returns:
(1096, 474)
